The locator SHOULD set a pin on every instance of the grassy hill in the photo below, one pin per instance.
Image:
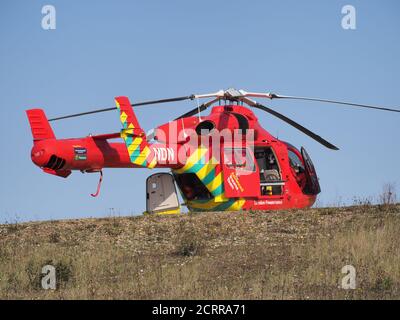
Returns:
(295, 254)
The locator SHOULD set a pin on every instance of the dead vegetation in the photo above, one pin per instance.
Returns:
(295, 254)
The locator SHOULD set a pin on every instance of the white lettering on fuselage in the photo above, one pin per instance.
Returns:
(164, 154)
(267, 202)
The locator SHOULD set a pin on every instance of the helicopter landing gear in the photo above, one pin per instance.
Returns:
(98, 185)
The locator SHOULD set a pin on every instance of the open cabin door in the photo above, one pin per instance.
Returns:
(241, 176)
(161, 196)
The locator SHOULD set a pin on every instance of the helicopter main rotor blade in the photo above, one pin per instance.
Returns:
(193, 111)
(297, 126)
(292, 123)
(276, 96)
(198, 109)
(144, 103)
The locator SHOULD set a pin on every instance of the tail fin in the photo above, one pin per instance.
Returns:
(40, 126)
(134, 136)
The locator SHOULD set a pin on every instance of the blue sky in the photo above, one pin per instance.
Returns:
(159, 49)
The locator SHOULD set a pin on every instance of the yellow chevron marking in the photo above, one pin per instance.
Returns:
(117, 103)
(143, 156)
(193, 159)
(133, 146)
(207, 168)
(237, 205)
(123, 117)
(145, 152)
(221, 198)
(202, 205)
(137, 141)
(131, 126)
(215, 183)
(139, 160)
(153, 163)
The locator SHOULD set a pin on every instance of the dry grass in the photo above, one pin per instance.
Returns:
(261, 255)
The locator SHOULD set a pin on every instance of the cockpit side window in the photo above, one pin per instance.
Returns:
(239, 158)
(295, 161)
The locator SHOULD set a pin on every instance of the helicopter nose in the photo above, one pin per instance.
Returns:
(39, 156)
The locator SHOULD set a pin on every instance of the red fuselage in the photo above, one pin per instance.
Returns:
(278, 177)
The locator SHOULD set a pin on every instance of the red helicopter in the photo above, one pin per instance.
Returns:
(223, 161)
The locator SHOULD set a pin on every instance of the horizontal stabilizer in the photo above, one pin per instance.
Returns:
(58, 173)
(107, 136)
